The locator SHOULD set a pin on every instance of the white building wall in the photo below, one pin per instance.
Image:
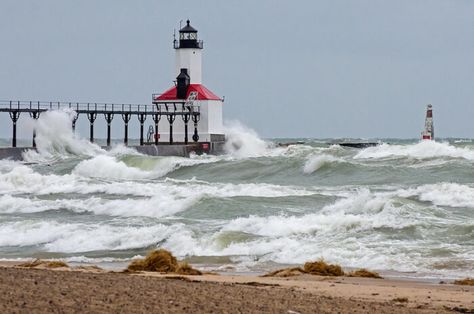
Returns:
(210, 123)
(190, 59)
(214, 114)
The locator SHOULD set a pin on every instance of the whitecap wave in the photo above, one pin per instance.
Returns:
(243, 142)
(136, 167)
(363, 230)
(107, 167)
(361, 211)
(443, 194)
(10, 204)
(73, 238)
(316, 162)
(149, 199)
(23, 179)
(420, 150)
(6, 165)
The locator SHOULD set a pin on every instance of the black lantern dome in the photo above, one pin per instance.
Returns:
(188, 38)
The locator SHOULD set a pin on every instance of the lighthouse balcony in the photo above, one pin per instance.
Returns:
(188, 43)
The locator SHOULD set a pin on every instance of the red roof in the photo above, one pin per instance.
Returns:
(203, 93)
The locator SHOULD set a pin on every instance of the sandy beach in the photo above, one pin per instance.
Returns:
(73, 290)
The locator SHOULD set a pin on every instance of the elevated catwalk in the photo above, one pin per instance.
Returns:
(186, 111)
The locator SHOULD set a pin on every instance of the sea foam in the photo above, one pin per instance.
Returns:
(243, 142)
(53, 236)
(420, 150)
(55, 138)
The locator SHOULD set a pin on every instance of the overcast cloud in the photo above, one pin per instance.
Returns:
(286, 68)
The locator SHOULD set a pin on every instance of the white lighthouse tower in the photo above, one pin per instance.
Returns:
(188, 73)
(189, 53)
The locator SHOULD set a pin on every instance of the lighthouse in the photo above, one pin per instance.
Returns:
(188, 88)
(428, 133)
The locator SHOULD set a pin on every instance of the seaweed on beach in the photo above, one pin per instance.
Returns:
(56, 264)
(157, 260)
(47, 264)
(285, 272)
(465, 282)
(185, 269)
(322, 268)
(365, 273)
(162, 261)
(31, 264)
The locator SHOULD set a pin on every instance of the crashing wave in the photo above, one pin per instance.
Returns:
(420, 150)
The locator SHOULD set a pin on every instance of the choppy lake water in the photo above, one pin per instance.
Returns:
(403, 206)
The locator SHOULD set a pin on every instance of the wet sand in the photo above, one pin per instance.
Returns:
(26, 290)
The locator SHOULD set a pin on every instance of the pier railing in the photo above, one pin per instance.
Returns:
(164, 107)
(170, 109)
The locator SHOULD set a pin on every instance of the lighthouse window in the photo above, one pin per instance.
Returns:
(188, 36)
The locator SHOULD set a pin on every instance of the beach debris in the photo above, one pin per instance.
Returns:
(89, 269)
(162, 261)
(31, 264)
(44, 264)
(286, 272)
(56, 264)
(364, 273)
(459, 309)
(465, 282)
(185, 269)
(400, 300)
(258, 284)
(321, 268)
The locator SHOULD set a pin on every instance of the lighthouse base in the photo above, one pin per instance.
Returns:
(181, 149)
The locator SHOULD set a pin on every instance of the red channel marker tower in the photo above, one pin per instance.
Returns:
(428, 132)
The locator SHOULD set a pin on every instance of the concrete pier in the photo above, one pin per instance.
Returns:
(180, 150)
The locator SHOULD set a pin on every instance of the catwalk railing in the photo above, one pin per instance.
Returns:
(170, 110)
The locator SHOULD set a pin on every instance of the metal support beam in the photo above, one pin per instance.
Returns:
(74, 120)
(126, 118)
(196, 117)
(91, 116)
(186, 118)
(14, 115)
(171, 121)
(34, 115)
(141, 118)
(156, 119)
(109, 117)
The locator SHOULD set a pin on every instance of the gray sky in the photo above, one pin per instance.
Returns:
(287, 68)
